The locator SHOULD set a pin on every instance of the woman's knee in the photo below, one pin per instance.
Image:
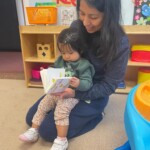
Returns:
(29, 117)
(48, 131)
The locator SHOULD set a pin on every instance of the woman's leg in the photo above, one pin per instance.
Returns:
(83, 118)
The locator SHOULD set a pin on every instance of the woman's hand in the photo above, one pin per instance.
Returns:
(68, 93)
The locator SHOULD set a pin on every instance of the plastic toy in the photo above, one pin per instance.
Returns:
(125, 146)
(137, 118)
(140, 53)
(122, 85)
(143, 74)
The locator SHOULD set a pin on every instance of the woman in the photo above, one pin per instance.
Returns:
(108, 50)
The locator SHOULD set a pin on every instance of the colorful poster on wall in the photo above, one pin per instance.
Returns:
(65, 2)
(67, 15)
(66, 11)
(142, 12)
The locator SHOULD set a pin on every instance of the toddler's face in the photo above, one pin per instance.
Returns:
(68, 53)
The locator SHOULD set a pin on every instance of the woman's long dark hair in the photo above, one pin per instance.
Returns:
(111, 29)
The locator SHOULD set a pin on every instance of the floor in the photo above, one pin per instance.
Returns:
(11, 65)
(107, 135)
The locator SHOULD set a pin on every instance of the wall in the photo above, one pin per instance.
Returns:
(126, 10)
(9, 31)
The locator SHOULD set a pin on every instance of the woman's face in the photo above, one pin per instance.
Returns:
(92, 18)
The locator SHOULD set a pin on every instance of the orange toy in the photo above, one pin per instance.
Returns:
(142, 99)
(42, 15)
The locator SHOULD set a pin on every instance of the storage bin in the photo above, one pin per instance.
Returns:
(36, 71)
(42, 15)
(143, 74)
(140, 53)
(140, 56)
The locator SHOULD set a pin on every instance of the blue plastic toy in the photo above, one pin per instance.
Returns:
(137, 126)
(125, 146)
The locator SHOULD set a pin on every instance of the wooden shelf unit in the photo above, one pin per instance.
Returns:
(137, 35)
(31, 35)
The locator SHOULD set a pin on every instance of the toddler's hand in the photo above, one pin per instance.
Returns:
(74, 82)
(41, 68)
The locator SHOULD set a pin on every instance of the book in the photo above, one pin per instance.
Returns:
(59, 85)
(54, 80)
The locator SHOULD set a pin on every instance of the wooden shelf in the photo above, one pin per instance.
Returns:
(35, 59)
(129, 86)
(39, 29)
(31, 35)
(137, 29)
(138, 64)
(34, 85)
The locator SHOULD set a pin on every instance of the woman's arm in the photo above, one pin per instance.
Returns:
(114, 74)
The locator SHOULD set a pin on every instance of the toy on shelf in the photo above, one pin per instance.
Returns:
(35, 72)
(121, 85)
(42, 15)
(143, 74)
(137, 118)
(140, 53)
(45, 51)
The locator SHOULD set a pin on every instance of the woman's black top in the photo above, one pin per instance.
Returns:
(106, 79)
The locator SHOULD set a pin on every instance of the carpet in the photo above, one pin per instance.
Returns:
(16, 99)
(11, 65)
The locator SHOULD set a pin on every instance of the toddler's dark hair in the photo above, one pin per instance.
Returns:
(71, 37)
